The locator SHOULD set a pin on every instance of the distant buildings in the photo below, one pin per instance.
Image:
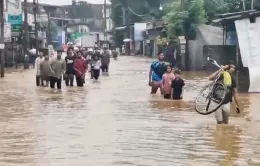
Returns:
(80, 17)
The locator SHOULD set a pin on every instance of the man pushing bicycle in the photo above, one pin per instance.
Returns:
(222, 114)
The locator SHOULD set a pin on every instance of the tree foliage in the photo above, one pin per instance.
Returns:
(182, 16)
(183, 19)
(213, 7)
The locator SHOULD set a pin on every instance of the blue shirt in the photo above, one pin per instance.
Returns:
(159, 68)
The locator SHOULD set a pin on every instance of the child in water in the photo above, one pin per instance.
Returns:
(177, 85)
(167, 79)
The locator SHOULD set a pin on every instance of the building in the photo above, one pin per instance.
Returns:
(79, 18)
(148, 46)
(241, 36)
(153, 30)
(92, 23)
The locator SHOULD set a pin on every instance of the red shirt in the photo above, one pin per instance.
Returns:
(80, 67)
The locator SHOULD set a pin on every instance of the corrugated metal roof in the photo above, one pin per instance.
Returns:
(236, 16)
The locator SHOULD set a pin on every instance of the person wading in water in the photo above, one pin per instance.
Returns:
(105, 60)
(46, 71)
(37, 68)
(58, 66)
(168, 77)
(177, 86)
(80, 68)
(157, 69)
(96, 64)
(222, 114)
(69, 74)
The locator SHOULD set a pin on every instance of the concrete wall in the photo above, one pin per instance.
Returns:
(206, 35)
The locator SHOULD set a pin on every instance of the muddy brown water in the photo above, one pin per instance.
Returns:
(116, 122)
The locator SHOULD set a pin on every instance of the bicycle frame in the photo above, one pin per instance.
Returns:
(215, 81)
(214, 62)
(215, 92)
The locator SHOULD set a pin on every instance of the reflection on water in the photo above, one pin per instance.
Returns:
(227, 139)
(117, 122)
(160, 103)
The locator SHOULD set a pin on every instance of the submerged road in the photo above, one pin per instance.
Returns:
(116, 122)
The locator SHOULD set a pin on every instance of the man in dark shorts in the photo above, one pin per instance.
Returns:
(177, 85)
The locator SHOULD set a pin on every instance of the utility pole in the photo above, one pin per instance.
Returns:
(182, 4)
(124, 21)
(49, 28)
(244, 4)
(2, 38)
(35, 5)
(185, 57)
(126, 33)
(105, 21)
(25, 35)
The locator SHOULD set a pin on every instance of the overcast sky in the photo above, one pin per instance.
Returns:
(68, 2)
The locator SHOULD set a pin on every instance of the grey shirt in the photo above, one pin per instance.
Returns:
(45, 68)
(105, 59)
(58, 67)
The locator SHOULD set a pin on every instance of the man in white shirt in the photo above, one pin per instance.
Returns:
(37, 68)
(96, 65)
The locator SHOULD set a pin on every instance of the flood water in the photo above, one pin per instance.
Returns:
(116, 122)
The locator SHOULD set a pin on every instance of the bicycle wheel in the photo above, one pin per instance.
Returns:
(210, 98)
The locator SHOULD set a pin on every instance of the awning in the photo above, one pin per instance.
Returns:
(231, 17)
(123, 27)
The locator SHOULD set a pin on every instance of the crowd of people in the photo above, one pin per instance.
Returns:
(51, 71)
(162, 76)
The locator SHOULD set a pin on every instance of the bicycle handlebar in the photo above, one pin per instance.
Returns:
(214, 62)
(211, 60)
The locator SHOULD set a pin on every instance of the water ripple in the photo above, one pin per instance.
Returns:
(116, 122)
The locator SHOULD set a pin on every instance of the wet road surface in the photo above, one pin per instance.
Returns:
(117, 122)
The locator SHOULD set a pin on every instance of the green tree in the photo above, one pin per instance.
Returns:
(117, 12)
(183, 17)
(213, 7)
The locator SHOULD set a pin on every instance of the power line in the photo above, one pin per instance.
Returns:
(139, 15)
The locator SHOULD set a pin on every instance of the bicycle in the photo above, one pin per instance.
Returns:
(216, 95)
